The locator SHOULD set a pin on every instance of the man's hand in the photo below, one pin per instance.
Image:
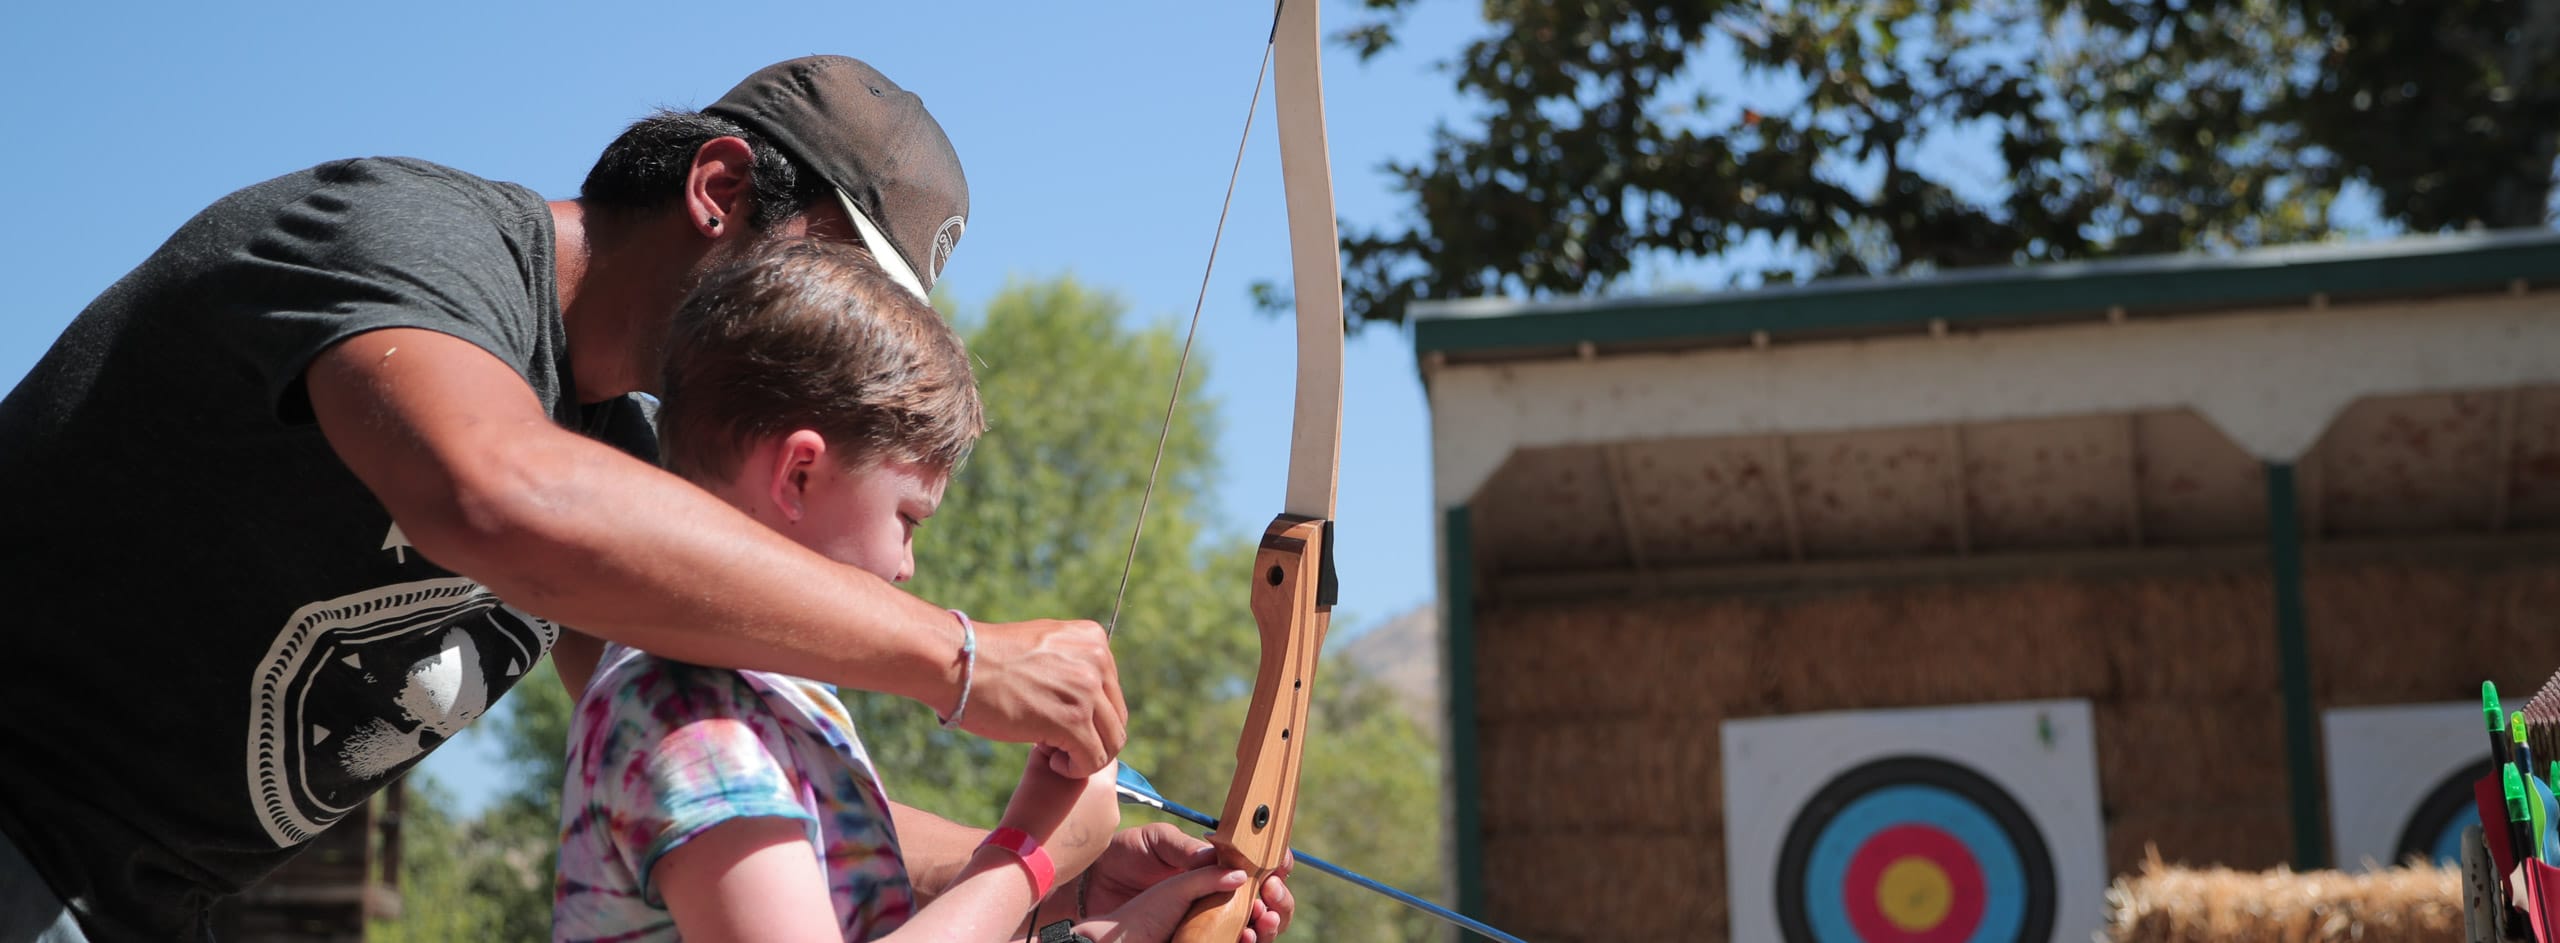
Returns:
(1143, 857)
(1048, 683)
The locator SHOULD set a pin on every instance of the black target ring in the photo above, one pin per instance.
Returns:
(2012, 898)
(2434, 830)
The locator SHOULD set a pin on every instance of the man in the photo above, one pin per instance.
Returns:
(267, 493)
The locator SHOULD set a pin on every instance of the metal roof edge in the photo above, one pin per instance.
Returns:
(2413, 265)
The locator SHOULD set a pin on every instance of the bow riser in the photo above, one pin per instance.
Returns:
(1292, 608)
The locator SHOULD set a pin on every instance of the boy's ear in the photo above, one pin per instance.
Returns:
(796, 460)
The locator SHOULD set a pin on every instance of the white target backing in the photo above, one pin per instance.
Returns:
(2400, 779)
(1975, 823)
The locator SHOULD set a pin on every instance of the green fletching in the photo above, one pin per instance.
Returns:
(2515, 796)
(2489, 706)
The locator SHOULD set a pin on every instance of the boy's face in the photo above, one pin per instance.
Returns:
(867, 517)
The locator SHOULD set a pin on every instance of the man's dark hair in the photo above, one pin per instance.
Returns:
(645, 168)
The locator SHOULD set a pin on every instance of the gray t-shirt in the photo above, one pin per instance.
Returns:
(219, 642)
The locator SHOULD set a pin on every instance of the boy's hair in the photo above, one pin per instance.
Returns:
(645, 168)
(806, 334)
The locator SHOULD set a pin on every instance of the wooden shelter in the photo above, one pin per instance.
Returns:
(2209, 497)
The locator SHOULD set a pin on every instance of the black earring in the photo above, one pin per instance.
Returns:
(711, 221)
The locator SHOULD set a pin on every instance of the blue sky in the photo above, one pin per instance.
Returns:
(1097, 140)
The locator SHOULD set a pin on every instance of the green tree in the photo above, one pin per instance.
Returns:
(2450, 110)
(2131, 126)
(461, 881)
(1037, 525)
(1369, 800)
(519, 834)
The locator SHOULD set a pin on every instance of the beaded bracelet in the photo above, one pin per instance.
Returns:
(968, 668)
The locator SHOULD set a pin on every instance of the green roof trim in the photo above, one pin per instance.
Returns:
(2293, 667)
(2413, 266)
(1458, 682)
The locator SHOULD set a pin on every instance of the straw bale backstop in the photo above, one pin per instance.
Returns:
(1600, 794)
(2166, 904)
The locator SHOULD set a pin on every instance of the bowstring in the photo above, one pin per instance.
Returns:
(1182, 366)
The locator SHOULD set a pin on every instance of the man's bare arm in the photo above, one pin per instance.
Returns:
(460, 451)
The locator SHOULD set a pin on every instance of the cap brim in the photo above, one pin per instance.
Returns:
(882, 250)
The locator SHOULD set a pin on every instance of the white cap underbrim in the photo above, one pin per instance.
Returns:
(882, 250)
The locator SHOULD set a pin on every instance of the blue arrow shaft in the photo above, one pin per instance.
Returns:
(1129, 793)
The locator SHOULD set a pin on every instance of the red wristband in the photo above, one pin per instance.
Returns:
(1034, 860)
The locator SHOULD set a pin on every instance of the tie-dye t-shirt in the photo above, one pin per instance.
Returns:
(659, 751)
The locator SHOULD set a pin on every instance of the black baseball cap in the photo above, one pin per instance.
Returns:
(887, 158)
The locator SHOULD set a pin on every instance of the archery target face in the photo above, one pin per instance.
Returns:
(2400, 780)
(1953, 825)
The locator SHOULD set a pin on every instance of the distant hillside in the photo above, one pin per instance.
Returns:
(1403, 655)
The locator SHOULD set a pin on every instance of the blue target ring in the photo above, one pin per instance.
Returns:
(1990, 867)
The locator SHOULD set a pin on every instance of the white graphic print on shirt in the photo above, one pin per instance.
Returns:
(356, 688)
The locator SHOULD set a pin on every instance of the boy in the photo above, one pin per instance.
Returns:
(826, 403)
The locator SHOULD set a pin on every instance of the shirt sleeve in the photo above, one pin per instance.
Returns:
(304, 262)
(692, 748)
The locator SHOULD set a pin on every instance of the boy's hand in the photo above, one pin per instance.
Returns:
(1144, 858)
(1049, 683)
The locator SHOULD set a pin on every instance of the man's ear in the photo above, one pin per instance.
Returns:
(796, 462)
(719, 190)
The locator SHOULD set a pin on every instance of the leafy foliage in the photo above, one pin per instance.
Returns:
(2450, 109)
(1369, 800)
(2118, 126)
(1037, 524)
(469, 881)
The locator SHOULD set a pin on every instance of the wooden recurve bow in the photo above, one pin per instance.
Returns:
(1293, 574)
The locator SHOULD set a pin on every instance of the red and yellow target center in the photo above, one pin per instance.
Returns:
(1913, 883)
(1914, 893)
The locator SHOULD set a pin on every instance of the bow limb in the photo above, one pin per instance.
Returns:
(1315, 253)
(1293, 575)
